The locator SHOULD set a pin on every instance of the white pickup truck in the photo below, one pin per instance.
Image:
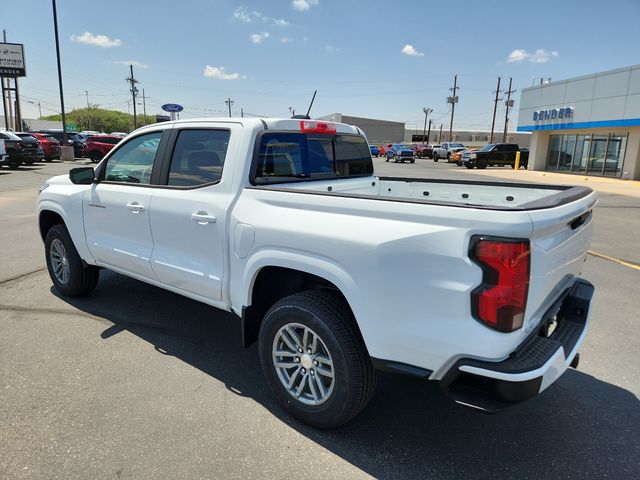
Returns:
(445, 150)
(334, 271)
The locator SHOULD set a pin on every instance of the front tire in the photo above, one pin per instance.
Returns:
(314, 360)
(68, 273)
(482, 164)
(95, 156)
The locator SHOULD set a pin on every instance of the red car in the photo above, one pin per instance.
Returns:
(50, 146)
(97, 146)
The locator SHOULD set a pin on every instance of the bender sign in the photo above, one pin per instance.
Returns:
(553, 114)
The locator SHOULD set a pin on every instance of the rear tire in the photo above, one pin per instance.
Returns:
(68, 273)
(343, 378)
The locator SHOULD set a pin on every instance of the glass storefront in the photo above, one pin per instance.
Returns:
(601, 154)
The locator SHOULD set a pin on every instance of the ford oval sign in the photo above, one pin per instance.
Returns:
(172, 107)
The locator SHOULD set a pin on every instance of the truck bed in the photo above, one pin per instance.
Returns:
(476, 194)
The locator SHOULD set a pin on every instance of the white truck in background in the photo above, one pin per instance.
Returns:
(445, 150)
(334, 271)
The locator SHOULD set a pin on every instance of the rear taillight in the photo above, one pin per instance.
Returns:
(500, 300)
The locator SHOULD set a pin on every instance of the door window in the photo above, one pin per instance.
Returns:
(198, 157)
(133, 161)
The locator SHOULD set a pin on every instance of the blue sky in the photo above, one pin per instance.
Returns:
(369, 58)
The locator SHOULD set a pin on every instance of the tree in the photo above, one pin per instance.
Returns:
(102, 120)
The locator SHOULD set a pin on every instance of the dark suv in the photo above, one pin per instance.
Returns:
(73, 140)
(97, 146)
(496, 154)
(21, 150)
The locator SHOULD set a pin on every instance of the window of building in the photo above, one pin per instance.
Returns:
(601, 154)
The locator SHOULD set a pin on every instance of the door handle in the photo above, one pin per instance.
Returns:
(203, 218)
(135, 207)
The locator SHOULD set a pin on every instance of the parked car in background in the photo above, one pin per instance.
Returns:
(50, 146)
(446, 149)
(119, 134)
(20, 150)
(73, 140)
(97, 146)
(424, 151)
(375, 151)
(496, 154)
(400, 153)
(39, 151)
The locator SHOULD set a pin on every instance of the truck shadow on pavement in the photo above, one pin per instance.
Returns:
(580, 428)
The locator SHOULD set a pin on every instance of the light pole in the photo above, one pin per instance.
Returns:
(64, 117)
(426, 111)
(39, 106)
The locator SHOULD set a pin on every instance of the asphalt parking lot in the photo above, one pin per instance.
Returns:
(136, 382)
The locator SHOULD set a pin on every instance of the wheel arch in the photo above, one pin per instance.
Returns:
(52, 213)
(270, 281)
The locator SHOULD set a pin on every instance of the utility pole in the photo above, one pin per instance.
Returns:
(429, 132)
(229, 102)
(440, 135)
(134, 93)
(508, 105)
(144, 107)
(495, 108)
(426, 111)
(242, 113)
(453, 99)
(64, 118)
(86, 92)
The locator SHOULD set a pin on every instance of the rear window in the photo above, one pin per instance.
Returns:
(287, 156)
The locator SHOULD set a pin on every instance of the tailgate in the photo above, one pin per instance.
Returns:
(559, 244)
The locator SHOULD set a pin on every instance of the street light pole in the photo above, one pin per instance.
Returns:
(64, 117)
(426, 111)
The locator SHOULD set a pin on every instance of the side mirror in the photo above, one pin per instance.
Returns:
(82, 175)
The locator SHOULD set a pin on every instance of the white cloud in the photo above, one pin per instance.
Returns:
(135, 63)
(220, 73)
(103, 41)
(542, 56)
(244, 15)
(517, 55)
(259, 37)
(539, 56)
(411, 51)
(304, 5)
(286, 40)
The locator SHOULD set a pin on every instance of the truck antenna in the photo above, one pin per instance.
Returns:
(306, 117)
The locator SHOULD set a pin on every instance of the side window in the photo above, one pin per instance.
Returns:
(198, 157)
(133, 161)
(352, 156)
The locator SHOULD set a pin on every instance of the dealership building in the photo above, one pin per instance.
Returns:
(587, 125)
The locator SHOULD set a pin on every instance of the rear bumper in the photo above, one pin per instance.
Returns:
(538, 362)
